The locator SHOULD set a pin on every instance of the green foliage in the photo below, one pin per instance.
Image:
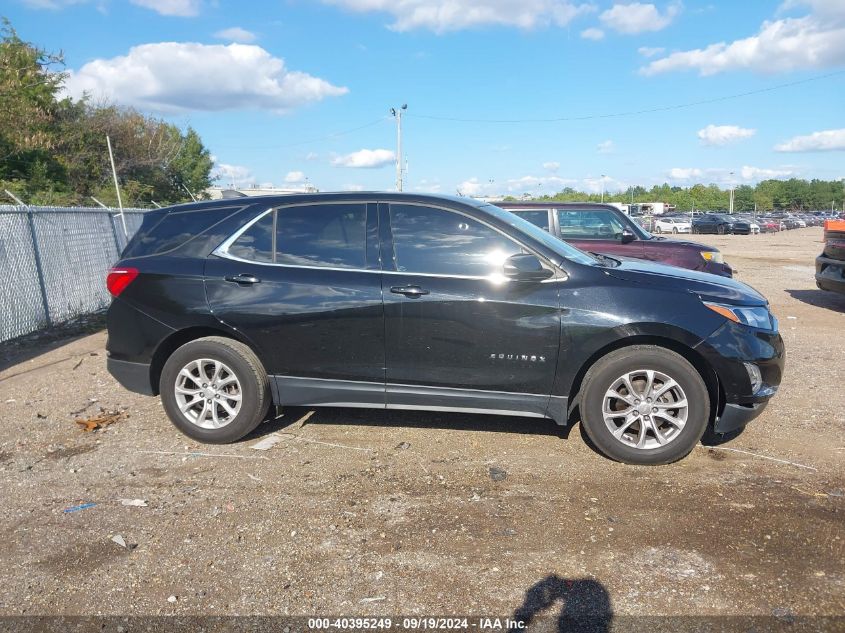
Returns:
(794, 194)
(53, 150)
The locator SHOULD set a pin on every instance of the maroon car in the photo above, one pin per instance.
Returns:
(602, 228)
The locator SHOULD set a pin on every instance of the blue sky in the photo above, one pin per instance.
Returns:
(270, 84)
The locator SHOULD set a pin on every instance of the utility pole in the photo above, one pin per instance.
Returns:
(398, 116)
(602, 187)
(731, 199)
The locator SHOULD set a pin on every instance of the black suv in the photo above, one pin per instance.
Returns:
(720, 224)
(404, 301)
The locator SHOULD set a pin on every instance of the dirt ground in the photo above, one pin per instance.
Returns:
(359, 512)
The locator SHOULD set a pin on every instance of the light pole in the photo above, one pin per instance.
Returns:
(731, 199)
(398, 115)
(602, 187)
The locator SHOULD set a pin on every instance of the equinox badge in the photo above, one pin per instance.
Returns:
(519, 357)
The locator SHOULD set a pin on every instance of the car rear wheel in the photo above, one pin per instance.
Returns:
(721, 229)
(644, 405)
(675, 230)
(214, 390)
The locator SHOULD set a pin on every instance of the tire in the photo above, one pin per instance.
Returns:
(675, 230)
(721, 229)
(657, 230)
(230, 417)
(695, 230)
(608, 372)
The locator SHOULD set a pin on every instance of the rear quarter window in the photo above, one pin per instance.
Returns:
(164, 232)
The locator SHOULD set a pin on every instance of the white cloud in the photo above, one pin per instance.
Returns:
(551, 165)
(312, 156)
(760, 173)
(650, 51)
(352, 187)
(816, 40)
(747, 174)
(233, 175)
(178, 77)
(605, 147)
(452, 15)
(294, 177)
(637, 17)
(824, 141)
(685, 174)
(592, 34)
(181, 8)
(236, 34)
(365, 159)
(724, 134)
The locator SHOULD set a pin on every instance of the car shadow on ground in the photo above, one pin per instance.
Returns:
(820, 299)
(409, 419)
(585, 605)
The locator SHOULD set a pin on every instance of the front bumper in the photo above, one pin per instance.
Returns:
(728, 350)
(830, 274)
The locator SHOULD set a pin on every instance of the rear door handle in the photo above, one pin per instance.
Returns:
(243, 279)
(409, 291)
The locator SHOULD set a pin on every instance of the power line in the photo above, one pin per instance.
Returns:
(678, 106)
(310, 141)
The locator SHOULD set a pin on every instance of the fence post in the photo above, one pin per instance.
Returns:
(38, 267)
(116, 238)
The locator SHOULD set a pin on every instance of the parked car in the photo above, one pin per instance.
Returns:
(752, 224)
(720, 223)
(771, 225)
(403, 301)
(601, 228)
(671, 225)
(830, 265)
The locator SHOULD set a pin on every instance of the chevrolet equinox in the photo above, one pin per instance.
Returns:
(400, 301)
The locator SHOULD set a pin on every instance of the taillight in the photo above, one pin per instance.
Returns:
(119, 278)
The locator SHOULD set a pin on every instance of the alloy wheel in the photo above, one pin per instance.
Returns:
(208, 393)
(645, 409)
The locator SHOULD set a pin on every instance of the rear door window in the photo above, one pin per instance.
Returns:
(324, 235)
(256, 243)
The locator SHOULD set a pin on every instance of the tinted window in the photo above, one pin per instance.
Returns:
(331, 235)
(168, 231)
(427, 240)
(537, 218)
(590, 224)
(256, 243)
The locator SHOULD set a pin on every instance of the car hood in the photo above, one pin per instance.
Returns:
(676, 242)
(708, 287)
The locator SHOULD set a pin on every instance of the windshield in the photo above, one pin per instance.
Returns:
(565, 250)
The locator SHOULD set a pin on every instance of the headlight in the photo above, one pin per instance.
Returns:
(713, 256)
(758, 317)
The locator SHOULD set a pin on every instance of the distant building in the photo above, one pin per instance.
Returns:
(215, 193)
(652, 208)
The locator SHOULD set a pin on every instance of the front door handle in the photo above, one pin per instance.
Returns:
(243, 279)
(413, 292)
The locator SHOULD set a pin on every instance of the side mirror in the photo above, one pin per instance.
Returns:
(628, 236)
(525, 267)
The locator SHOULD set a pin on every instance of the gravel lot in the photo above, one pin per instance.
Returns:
(377, 513)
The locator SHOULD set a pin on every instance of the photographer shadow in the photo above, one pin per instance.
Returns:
(586, 605)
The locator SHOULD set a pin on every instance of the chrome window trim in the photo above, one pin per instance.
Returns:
(223, 250)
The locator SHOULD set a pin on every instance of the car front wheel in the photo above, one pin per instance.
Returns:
(214, 389)
(644, 405)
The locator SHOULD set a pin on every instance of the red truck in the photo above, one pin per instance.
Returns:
(830, 265)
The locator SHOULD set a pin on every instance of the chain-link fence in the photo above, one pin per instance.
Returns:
(53, 263)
